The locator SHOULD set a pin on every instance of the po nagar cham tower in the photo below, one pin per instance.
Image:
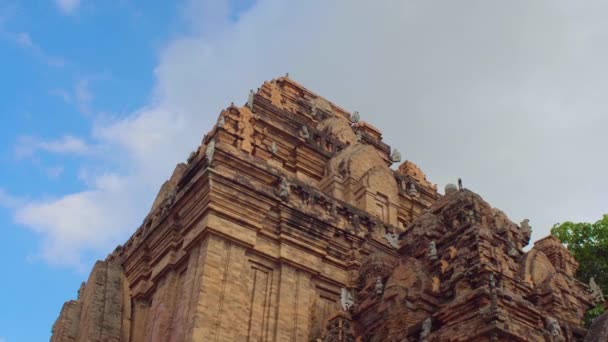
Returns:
(288, 224)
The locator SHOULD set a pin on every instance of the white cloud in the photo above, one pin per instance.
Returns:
(506, 95)
(9, 201)
(67, 6)
(27, 146)
(53, 172)
(24, 40)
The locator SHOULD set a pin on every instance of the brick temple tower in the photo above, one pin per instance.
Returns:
(288, 224)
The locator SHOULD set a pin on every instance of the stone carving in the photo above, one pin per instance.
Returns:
(347, 299)
(304, 132)
(355, 117)
(273, 148)
(358, 135)
(313, 111)
(221, 121)
(282, 190)
(460, 184)
(526, 229)
(356, 222)
(411, 190)
(379, 287)
(191, 157)
(210, 151)
(432, 251)
(338, 330)
(250, 100)
(513, 252)
(552, 325)
(393, 239)
(492, 281)
(396, 156)
(596, 291)
(425, 331)
(450, 189)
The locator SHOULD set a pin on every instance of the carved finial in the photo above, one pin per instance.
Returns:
(460, 184)
(355, 117)
(286, 75)
(427, 324)
(356, 222)
(396, 156)
(596, 291)
(379, 287)
(273, 148)
(411, 190)
(512, 250)
(552, 325)
(393, 239)
(432, 250)
(525, 226)
(250, 100)
(210, 151)
(450, 189)
(304, 132)
(282, 190)
(347, 299)
(191, 157)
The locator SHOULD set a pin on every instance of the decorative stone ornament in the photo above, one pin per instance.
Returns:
(210, 151)
(425, 331)
(282, 190)
(273, 148)
(355, 117)
(191, 157)
(221, 121)
(552, 326)
(492, 281)
(393, 239)
(313, 111)
(411, 190)
(450, 189)
(525, 226)
(347, 299)
(250, 100)
(432, 251)
(396, 156)
(304, 132)
(596, 291)
(379, 286)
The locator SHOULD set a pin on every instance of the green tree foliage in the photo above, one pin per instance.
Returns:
(588, 242)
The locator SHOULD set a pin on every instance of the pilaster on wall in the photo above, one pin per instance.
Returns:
(235, 296)
(294, 305)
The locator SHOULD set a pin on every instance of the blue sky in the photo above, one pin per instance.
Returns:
(59, 70)
(63, 68)
(102, 98)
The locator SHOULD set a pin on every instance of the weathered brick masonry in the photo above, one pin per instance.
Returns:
(288, 224)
